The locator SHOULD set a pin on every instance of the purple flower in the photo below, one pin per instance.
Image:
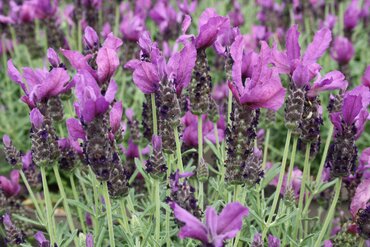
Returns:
(175, 179)
(24, 13)
(89, 240)
(157, 143)
(7, 141)
(354, 110)
(220, 92)
(27, 161)
(53, 58)
(331, 81)
(273, 241)
(180, 67)
(329, 22)
(115, 116)
(46, 8)
(41, 240)
(263, 89)
(36, 118)
(10, 187)
(186, 7)
(352, 15)
(302, 68)
(91, 102)
(190, 134)
(362, 197)
(132, 26)
(88, 219)
(106, 59)
(75, 129)
(236, 16)
(41, 84)
(90, 39)
(164, 15)
(7, 221)
(366, 77)
(328, 243)
(342, 50)
(217, 228)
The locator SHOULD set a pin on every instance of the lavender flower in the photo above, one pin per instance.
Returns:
(273, 241)
(12, 155)
(41, 84)
(32, 174)
(360, 208)
(165, 16)
(156, 164)
(349, 125)
(366, 77)
(217, 228)
(187, 8)
(13, 235)
(89, 240)
(41, 240)
(236, 16)
(352, 15)
(10, 187)
(342, 50)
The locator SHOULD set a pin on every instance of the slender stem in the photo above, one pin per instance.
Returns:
(324, 155)
(178, 150)
(157, 212)
(96, 201)
(49, 207)
(108, 207)
(200, 157)
(330, 214)
(280, 183)
(292, 160)
(33, 198)
(65, 202)
(76, 197)
(168, 211)
(216, 136)
(154, 113)
(265, 149)
(302, 190)
(229, 106)
(126, 227)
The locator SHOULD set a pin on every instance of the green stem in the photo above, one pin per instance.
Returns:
(33, 198)
(200, 157)
(154, 113)
(126, 227)
(49, 207)
(292, 160)
(178, 150)
(330, 214)
(265, 149)
(65, 202)
(229, 106)
(109, 214)
(324, 155)
(280, 183)
(157, 211)
(76, 197)
(302, 190)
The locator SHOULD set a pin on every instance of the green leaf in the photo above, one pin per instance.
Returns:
(214, 149)
(27, 220)
(325, 186)
(57, 204)
(82, 206)
(67, 242)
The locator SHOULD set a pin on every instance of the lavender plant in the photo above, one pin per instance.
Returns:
(143, 119)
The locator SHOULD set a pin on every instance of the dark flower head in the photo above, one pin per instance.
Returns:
(217, 228)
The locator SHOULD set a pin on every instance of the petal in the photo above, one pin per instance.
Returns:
(36, 118)
(55, 84)
(231, 218)
(15, 76)
(132, 64)
(280, 60)
(107, 61)
(185, 24)
(146, 78)
(301, 76)
(7, 141)
(317, 48)
(75, 129)
(53, 57)
(366, 77)
(331, 81)
(292, 45)
(157, 143)
(352, 105)
(211, 221)
(77, 60)
(90, 38)
(115, 116)
(6, 186)
(112, 42)
(208, 32)
(193, 227)
(361, 198)
(111, 91)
